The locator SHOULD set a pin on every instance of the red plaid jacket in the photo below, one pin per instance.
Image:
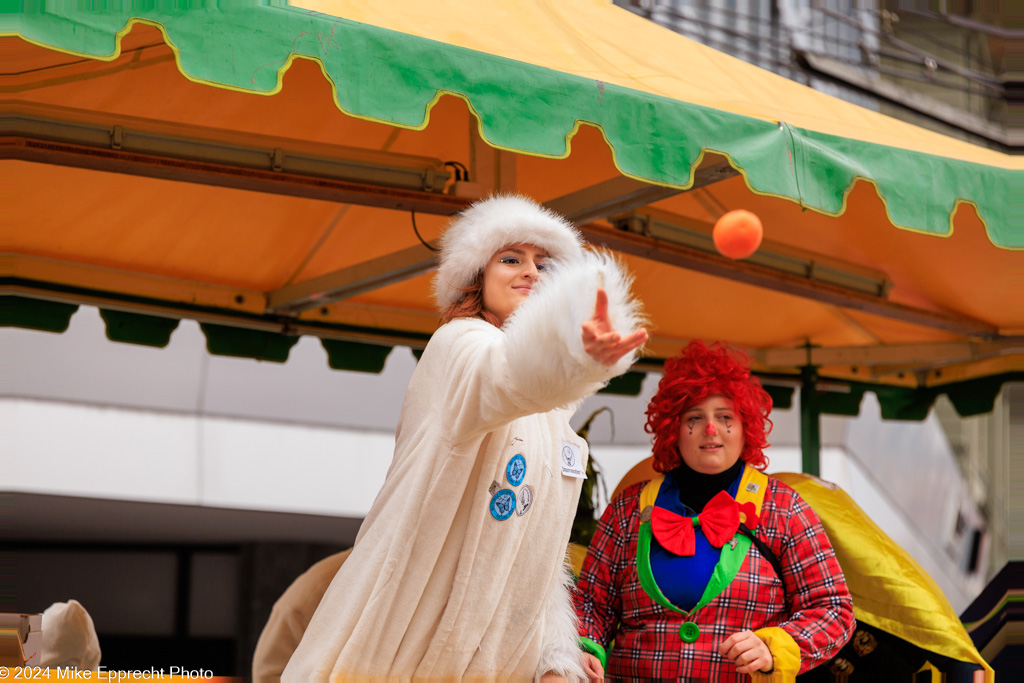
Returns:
(810, 601)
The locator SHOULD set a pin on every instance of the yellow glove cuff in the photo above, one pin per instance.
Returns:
(785, 653)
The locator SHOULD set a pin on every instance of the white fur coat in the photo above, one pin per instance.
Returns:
(436, 586)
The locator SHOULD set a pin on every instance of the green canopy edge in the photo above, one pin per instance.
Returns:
(969, 397)
(221, 340)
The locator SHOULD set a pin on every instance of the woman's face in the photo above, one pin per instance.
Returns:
(711, 436)
(509, 276)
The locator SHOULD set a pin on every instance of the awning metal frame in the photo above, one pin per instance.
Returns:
(591, 203)
(894, 355)
(341, 284)
(136, 150)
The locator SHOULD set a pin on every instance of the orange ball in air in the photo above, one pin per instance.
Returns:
(737, 234)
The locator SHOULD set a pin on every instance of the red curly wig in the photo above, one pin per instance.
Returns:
(691, 377)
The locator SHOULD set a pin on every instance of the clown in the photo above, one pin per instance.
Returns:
(712, 570)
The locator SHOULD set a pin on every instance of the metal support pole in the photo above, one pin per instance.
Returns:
(810, 421)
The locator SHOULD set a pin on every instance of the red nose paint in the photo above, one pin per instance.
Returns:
(711, 431)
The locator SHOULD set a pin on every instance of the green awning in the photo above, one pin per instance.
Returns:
(969, 397)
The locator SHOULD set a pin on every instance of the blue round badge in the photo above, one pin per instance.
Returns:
(503, 504)
(516, 469)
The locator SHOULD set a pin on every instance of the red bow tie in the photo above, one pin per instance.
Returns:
(719, 520)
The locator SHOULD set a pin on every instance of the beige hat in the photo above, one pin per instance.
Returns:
(69, 637)
(488, 225)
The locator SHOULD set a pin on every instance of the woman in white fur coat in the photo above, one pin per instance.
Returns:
(458, 571)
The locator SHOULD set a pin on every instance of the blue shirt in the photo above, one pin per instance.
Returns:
(683, 579)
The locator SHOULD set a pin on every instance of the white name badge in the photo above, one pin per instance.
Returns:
(572, 461)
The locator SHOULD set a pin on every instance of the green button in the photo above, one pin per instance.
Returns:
(689, 632)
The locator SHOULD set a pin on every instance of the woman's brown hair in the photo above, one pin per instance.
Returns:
(471, 304)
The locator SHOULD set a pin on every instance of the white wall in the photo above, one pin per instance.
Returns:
(117, 453)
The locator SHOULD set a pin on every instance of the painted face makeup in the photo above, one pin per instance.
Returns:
(510, 276)
(711, 436)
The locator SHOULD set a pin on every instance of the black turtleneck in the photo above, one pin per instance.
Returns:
(696, 489)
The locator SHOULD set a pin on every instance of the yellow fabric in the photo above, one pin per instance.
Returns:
(595, 39)
(890, 589)
(785, 653)
(760, 487)
(650, 492)
(773, 677)
(934, 675)
(576, 553)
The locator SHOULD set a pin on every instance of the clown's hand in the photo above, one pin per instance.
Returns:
(748, 652)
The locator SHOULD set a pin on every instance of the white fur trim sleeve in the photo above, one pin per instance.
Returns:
(561, 653)
(544, 342)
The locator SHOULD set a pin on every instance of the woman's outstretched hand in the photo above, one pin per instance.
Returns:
(748, 652)
(601, 341)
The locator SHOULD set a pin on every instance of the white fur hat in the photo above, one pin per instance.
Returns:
(477, 233)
